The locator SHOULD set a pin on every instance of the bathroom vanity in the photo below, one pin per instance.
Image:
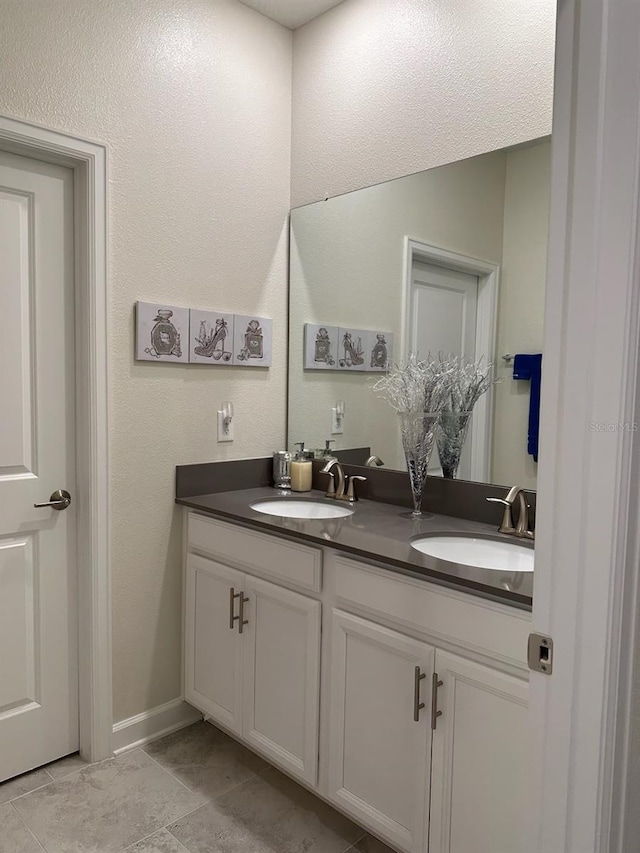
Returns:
(388, 683)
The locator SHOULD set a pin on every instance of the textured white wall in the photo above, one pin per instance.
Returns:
(521, 308)
(347, 262)
(193, 98)
(383, 88)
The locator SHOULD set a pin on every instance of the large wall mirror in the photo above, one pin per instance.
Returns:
(450, 260)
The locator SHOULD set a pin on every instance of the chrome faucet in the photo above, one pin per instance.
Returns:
(374, 461)
(338, 482)
(521, 529)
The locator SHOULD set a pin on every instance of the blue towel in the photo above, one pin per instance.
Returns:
(530, 367)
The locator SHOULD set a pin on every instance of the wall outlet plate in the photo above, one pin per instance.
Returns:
(337, 422)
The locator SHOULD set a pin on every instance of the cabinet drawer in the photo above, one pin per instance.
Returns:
(293, 564)
(448, 616)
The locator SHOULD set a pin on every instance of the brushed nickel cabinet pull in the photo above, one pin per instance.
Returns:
(435, 683)
(232, 597)
(241, 620)
(417, 704)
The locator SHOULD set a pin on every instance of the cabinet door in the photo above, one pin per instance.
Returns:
(479, 764)
(213, 645)
(282, 676)
(379, 755)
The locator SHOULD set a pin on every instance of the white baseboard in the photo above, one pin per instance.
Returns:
(150, 725)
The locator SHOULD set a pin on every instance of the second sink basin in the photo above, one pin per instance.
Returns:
(291, 508)
(481, 553)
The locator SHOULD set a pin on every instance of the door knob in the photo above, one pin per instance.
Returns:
(60, 499)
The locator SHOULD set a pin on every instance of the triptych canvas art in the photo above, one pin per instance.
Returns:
(337, 348)
(171, 334)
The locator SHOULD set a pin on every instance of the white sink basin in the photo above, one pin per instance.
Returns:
(482, 553)
(291, 508)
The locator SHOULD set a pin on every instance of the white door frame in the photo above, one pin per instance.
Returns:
(488, 282)
(587, 530)
(89, 163)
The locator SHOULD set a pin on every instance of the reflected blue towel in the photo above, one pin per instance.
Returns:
(530, 367)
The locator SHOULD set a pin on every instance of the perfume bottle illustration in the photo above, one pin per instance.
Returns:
(165, 338)
(253, 342)
(211, 343)
(379, 352)
(322, 350)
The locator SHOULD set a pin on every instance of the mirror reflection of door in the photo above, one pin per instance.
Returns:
(443, 319)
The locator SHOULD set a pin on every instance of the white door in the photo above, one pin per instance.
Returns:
(213, 644)
(379, 754)
(38, 609)
(479, 765)
(282, 676)
(443, 319)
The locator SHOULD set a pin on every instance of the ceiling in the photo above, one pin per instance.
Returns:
(291, 13)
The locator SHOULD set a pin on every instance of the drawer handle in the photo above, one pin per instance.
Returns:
(417, 704)
(435, 683)
(241, 620)
(232, 597)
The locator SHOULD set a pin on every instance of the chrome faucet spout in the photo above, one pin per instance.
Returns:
(374, 461)
(336, 486)
(521, 529)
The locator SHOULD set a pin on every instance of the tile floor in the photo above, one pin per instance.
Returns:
(195, 791)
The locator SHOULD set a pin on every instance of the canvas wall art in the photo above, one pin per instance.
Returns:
(320, 347)
(252, 341)
(211, 337)
(346, 349)
(352, 355)
(162, 332)
(379, 350)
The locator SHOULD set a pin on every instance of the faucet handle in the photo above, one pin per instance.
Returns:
(352, 497)
(331, 491)
(507, 525)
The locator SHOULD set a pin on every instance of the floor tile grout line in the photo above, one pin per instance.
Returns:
(352, 846)
(173, 776)
(32, 791)
(207, 800)
(63, 778)
(28, 828)
(182, 817)
(162, 829)
(182, 846)
(84, 767)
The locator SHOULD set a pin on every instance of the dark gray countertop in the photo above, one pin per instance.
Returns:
(379, 532)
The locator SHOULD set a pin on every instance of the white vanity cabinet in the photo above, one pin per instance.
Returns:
(452, 780)
(252, 658)
(380, 742)
(281, 676)
(401, 702)
(479, 759)
(213, 647)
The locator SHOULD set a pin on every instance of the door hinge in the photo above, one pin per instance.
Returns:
(540, 653)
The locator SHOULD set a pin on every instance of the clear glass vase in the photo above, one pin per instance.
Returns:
(451, 434)
(418, 437)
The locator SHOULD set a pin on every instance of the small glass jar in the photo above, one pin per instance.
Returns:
(282, 469)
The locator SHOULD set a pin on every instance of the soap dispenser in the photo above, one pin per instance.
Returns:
(301, 470)
(327, 453)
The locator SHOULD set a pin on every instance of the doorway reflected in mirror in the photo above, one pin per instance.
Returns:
(449, 260)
